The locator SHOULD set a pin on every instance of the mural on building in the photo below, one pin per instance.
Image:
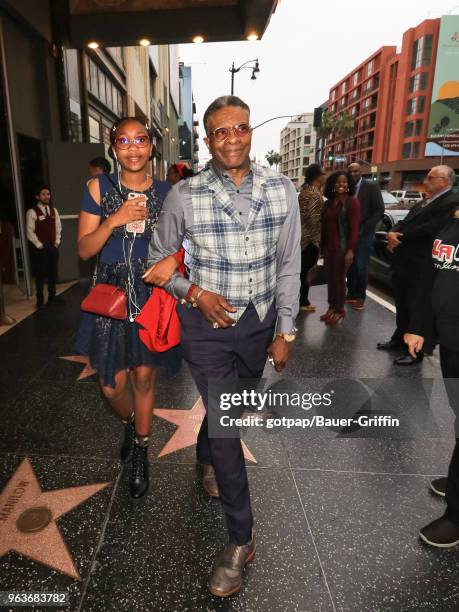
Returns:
(443, 131)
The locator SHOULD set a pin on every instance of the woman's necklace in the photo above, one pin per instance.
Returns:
(141, 187)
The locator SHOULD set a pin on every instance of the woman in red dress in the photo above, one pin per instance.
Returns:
(340, 233)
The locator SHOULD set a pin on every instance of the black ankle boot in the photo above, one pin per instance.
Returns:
(139, 472)
(128, 442)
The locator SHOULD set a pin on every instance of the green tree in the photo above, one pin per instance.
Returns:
(327, 125)
(345, 125)
(273, 158)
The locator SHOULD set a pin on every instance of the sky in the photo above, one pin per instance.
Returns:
(308, 46)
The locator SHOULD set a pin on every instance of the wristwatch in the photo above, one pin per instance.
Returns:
(290, 336)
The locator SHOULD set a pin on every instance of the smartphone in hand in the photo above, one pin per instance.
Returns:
(137, 227)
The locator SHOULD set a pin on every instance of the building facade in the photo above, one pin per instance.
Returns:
(389, 97)
(297, 147)
(188, 121)
(56, 108)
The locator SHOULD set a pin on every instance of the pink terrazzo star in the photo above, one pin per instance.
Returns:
(86, 371)
(188, 423)
(45, 546)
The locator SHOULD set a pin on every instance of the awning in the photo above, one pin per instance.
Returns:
(113, 23)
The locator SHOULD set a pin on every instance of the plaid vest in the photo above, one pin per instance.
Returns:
(226, 257)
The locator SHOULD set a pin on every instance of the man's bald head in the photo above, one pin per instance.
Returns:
(446, 171)
(440, 178)
(355, 171)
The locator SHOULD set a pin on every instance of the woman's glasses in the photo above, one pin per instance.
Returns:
(122, 142)
(222, 133)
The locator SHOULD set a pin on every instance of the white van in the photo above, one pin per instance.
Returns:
(408, 197)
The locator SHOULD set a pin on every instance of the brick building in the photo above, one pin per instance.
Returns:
(389, 95)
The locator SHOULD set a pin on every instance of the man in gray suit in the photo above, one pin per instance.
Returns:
(371, 212)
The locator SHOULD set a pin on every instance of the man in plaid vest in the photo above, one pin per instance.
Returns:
(240, 226)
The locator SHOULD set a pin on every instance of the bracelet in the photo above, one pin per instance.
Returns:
(194, 300)
(189, 292)
(200, 292)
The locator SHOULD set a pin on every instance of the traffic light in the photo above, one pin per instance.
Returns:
(330, 157)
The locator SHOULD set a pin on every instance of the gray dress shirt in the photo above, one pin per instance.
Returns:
(177, 214)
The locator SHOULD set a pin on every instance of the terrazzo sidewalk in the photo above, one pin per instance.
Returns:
(336, 516)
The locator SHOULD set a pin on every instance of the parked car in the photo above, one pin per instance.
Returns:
(408, 197)
(380, 258)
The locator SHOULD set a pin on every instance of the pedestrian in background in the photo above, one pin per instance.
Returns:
(311, 205)
(435, 318)
(371, 213)
(99, 165)
(174, 173)
(410, 241)
(340, 233)
(44, 230)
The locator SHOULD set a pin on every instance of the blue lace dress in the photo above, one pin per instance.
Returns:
(110, 344)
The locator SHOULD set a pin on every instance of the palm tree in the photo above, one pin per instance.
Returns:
(273, 158)
(345, 125)
(327, 125)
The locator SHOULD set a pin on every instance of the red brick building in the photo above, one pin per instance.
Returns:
(389, 95)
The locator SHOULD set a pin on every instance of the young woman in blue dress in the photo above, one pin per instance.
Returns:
(117, 218)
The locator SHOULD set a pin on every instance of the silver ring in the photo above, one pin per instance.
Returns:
(271, 360)
(215, 325)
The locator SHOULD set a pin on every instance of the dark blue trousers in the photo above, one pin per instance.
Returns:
(226, 355)
(357, 275)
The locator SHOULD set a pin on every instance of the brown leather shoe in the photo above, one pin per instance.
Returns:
(226, 576)
(209, 482)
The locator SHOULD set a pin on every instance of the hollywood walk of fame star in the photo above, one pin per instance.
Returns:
(188, 423)
(87, 370)
(23, 497)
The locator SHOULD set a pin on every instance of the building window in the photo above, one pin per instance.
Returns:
(333, 95)
(416, 55)
(94, 129)
(418, 127)
(72, 81)
(305, 161)
(343, 88)
(418, 82)
(410, 150)
(370, 67)
(104, 89)
(307, 139)
(424, 79)
(355, 79)
(411, 106)
(409, 128)
(427, 50)
(415, 105)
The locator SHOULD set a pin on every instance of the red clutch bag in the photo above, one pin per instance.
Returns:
(159, 319)
(107, 301)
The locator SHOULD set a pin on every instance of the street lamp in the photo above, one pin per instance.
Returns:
(244, 66)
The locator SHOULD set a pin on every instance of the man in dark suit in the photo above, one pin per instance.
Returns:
(410, 241)
(371, 212)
